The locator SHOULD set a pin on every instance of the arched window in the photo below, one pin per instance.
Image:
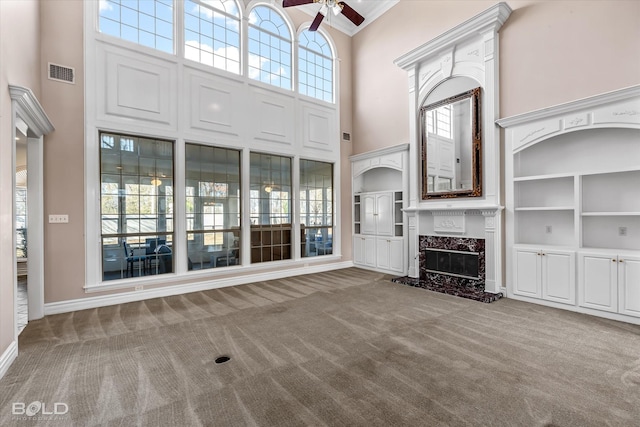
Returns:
(212, 33)
(269, 47)
(315, 66)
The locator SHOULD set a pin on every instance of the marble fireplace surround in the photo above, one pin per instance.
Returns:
(461, 244)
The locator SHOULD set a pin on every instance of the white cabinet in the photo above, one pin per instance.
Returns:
(610, 282)
(389, 253)
(378, 241)
(572, 182)
(546, 274)
(364, 251)
(377, 214)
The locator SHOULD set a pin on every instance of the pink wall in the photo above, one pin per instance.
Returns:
(19, 65)
(550, 52)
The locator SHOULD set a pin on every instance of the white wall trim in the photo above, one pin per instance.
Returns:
(570, 107)
(493, 17)
(8, 357)
(106, 300)
(30, 110)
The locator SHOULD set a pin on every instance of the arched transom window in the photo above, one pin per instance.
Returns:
(269, 47)
(315, 62)
(212, 33)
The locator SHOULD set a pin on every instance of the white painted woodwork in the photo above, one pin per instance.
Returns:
(545, 274)
(572, 175)
(558, 276)
(379, 240)
(598, 275)
(629, 285)
(527, 273)
(466, 53)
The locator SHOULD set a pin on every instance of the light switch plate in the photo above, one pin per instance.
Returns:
(58, 219)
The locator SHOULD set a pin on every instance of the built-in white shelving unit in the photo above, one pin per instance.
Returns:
(572, 181)
(379, 186)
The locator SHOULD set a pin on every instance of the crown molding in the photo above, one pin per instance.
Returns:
(30, 110)
(572, 106)
(492, 18)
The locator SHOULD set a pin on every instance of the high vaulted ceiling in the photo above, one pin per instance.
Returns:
(370, 9)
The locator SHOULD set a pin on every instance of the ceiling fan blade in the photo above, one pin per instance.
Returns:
(289, 3)
(316, 22)
(351, 14)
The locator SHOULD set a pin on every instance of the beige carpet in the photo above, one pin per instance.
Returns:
(343, 348)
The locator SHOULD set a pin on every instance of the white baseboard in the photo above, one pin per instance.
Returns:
(131, 296)
(8, 357)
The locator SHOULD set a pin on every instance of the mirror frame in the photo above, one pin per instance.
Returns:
(476, 147)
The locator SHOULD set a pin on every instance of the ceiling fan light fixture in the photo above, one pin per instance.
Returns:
(324, 9)
(156, 182)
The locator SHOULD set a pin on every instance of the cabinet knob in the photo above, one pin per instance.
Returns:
(613, 260)
(620, 260)
(543, 254)
(539, 254)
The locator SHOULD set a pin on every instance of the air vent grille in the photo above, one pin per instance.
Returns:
(61, 73)
(346, 136)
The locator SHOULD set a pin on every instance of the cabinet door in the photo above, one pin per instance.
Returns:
(526, 274)
(598, 280)
(370, 251)
(629, 285)
(358, 250)
(368, 214)
(558, 276)
(396, 257)
(384, 214)
(383, 247)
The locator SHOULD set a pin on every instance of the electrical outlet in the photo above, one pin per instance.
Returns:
(58, 219)
(622, 231)
(549, 229)
(139, 287)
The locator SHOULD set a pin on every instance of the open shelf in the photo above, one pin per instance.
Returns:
(542, 208)
(553, 193)
(554, 228)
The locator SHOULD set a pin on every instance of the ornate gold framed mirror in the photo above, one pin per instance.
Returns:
(452, 147)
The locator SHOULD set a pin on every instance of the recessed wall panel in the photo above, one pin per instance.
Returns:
(137, 87)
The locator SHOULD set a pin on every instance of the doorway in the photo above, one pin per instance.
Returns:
(30, 124)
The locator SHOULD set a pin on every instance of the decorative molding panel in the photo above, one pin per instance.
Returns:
(318, 129)
(619, 108)
(449, 222)
(392, 157)
(215, 104)
(138, 87)
(273, 117)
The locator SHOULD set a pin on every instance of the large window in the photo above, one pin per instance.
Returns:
(136, 198)
(146, 22)
(316, 208)
(212, 206)
(315, 66)
(270, 201)
(269, 47)
(212, 33)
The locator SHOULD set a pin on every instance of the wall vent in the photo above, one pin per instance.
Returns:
(61, 73)
(346, 136)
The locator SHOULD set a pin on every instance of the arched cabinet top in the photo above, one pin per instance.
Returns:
(617, 109)
(392, 158)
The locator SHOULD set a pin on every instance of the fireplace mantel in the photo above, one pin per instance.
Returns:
(469, 51)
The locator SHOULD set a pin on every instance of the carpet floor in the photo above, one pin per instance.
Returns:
(341, 348)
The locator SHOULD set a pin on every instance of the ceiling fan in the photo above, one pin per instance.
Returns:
(334, 5)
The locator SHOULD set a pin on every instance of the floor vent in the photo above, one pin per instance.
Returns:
(61, 73)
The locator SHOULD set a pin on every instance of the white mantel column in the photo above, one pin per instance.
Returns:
(492, 243)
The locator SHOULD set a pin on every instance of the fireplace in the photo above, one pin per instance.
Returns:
(453, 262)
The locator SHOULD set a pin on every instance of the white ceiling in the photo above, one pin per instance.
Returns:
(370, 9)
